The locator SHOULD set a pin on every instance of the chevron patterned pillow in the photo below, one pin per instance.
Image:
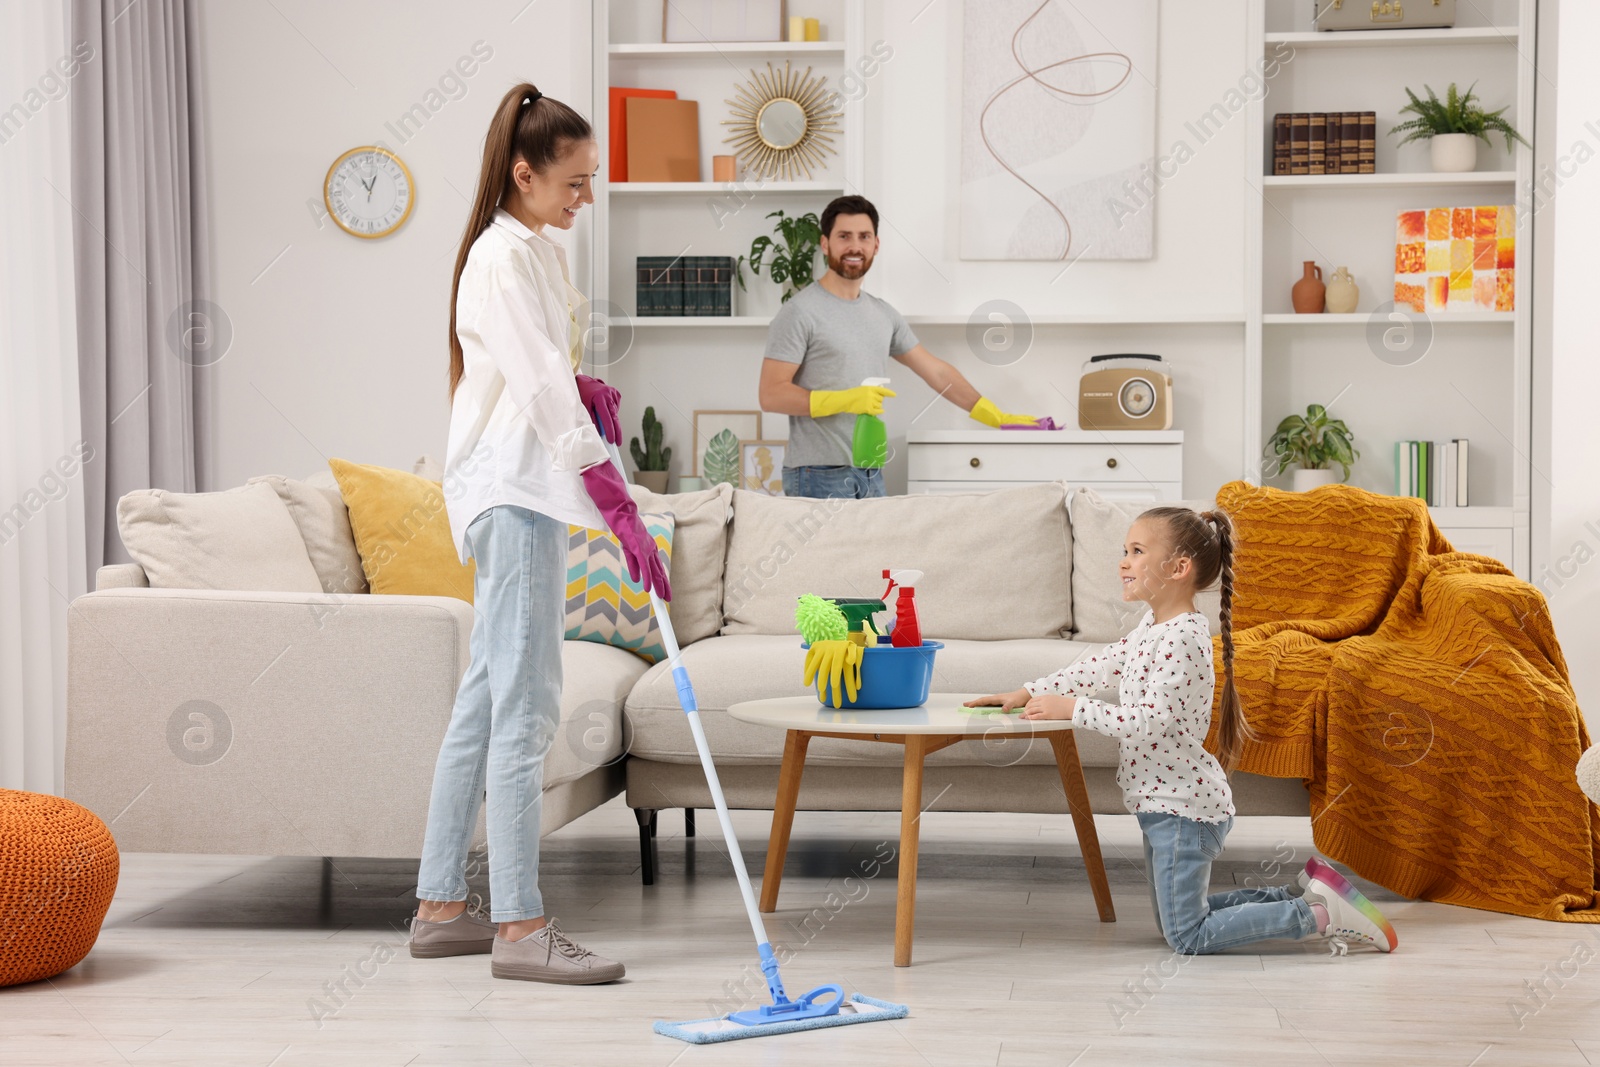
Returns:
(603, 603)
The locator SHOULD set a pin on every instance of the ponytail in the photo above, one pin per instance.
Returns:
(529, 126)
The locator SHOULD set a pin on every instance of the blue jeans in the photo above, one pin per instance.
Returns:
(1178, 854)
(507, 711)
(852, 483)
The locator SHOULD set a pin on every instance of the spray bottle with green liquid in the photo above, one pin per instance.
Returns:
(869, 447)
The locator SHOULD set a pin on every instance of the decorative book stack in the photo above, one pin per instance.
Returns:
(1435, 471)
(1325, 142)
(684, 286)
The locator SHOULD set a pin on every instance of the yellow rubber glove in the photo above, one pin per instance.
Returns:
(835, 661)
(862, 400)
(985, 412)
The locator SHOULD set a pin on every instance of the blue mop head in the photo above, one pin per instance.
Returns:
(861, 1009)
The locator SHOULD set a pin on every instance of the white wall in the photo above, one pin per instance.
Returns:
(339, 343)
(1572, 477)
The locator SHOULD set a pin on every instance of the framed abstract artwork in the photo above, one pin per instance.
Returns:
(1454, 259)
(1058, 130)
(761, 466)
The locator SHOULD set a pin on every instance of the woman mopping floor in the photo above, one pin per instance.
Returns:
(524, 460)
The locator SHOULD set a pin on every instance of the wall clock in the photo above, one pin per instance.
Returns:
(369, 192)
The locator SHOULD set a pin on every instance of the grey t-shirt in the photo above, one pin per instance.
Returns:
(838, 344)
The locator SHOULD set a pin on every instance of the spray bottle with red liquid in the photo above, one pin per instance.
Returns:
(907, 631)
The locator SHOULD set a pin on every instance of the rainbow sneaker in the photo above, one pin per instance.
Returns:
(1351, 916)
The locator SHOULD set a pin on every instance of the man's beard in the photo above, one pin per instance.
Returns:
(849, 273)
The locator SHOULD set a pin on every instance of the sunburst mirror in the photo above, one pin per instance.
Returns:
(784, 123)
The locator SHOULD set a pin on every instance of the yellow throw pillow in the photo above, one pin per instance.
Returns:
(402, 532)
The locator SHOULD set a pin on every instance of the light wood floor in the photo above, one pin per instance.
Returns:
(212, 960)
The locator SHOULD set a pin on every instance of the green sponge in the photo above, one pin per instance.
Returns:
(820, 620)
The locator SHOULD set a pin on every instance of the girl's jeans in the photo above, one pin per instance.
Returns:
(507, 711)
(1178, 854)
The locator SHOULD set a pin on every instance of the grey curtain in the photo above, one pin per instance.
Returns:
(148, 333)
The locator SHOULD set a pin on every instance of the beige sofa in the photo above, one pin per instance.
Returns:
(305, 721)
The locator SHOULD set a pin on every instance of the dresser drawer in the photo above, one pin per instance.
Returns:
(1041, 462)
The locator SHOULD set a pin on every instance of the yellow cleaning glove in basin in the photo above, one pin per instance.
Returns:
(836, 661)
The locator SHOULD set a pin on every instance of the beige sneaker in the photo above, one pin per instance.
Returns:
(548, 955)
(470, 933)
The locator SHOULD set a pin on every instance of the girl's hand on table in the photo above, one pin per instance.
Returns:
(1004, 701)
(1050, 707)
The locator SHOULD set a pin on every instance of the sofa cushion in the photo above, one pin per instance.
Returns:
(402, 532)
(595, 680)
(995, 565)
(1099, 528)
(606, 606)
(324, 525)
(699, 547)
(241, 539)
(727, 670)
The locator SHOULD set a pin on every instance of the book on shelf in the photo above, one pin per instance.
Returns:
(709, 288)
(1324, 142)
(653, 284)
(1434, 471)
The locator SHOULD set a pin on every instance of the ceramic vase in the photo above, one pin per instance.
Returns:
(1307, 294)
(1343, 293)
(1453, 152)
(1306, 478)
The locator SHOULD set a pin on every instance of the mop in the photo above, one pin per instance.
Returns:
(821, 1007)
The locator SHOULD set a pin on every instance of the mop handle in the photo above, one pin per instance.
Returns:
(691, 709)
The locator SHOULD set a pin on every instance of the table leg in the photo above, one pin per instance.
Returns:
(1066, 750)
(794, 762)
(905, 915)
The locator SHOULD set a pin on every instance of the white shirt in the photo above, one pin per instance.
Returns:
(518, 432)
(1166, 682)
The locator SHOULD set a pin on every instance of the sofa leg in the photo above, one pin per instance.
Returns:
(647, 846)
(688, 822)
(654, 820)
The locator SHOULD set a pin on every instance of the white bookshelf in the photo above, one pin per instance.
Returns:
(704, 217)
(1475, 381)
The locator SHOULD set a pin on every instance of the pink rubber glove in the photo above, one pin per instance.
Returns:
(610, 494)
(602, 402)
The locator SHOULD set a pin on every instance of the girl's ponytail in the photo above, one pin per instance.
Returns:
(527, 125)
(1232, 727)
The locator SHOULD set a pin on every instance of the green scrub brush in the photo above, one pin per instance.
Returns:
(820, 620)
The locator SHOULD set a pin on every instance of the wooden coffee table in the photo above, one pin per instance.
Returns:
(936, 724)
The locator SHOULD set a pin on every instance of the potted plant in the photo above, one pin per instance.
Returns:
(1309, 443)
(1453, 126)
(793, 261)
(652, 459)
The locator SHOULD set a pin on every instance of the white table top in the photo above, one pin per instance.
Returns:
(941, 714)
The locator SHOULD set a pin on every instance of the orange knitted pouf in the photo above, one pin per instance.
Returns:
(58, 871)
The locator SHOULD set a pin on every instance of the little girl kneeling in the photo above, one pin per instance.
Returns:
(1177, 790)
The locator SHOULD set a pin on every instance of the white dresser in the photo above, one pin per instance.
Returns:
(1117, 464)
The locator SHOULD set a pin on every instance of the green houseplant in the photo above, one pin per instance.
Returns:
(1311, 442)
(1453, 127)
(793, 248)
(652, 459)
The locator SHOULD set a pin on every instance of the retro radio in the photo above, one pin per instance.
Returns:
(1125, 391)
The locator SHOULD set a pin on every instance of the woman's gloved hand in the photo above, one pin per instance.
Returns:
(610, 494)
(862, 400)
(836, 661)
(602, 402)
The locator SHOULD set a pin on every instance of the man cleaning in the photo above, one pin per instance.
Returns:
(828, 339)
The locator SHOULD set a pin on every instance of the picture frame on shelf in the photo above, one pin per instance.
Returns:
(703, 21)
(746, 425)
(761, 466)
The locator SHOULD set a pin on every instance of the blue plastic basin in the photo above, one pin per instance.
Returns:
(890, 678)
